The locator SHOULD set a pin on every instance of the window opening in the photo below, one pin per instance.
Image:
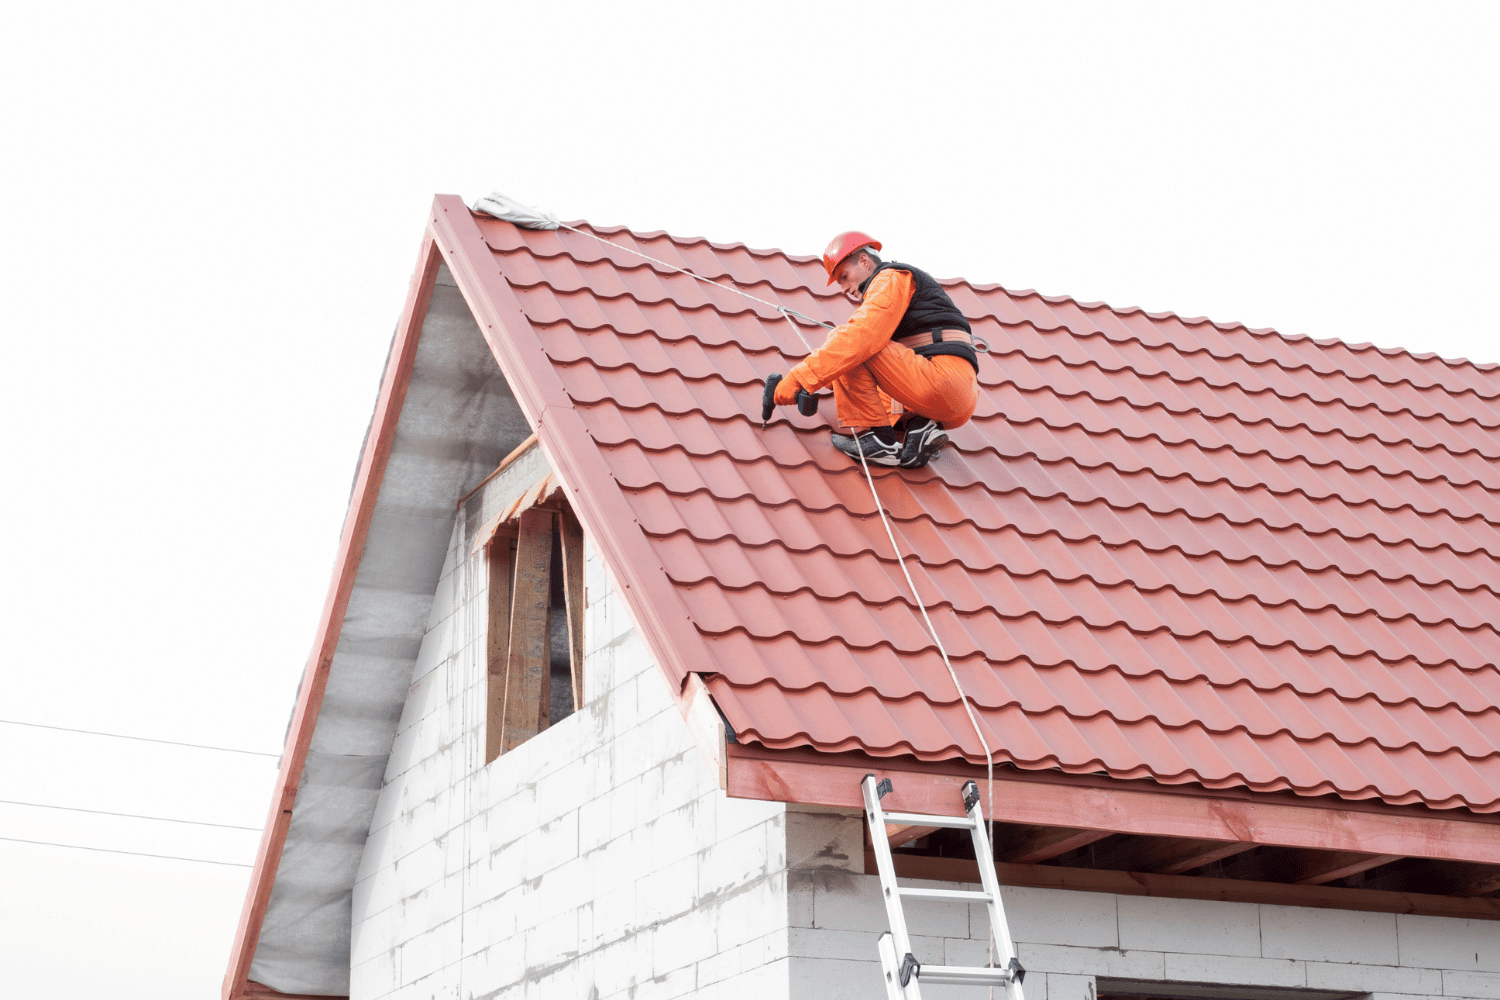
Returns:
(534, 646)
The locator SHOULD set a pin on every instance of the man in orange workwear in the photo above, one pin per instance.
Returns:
(907, 341)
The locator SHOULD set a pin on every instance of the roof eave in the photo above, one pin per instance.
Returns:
(1052, 798)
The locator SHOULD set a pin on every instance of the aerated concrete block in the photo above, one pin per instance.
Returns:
(1484, 985)
(1346, 976)
(1051, 916)
(1449, 943)
(1114, 962)
(1318, 935)
(1061, 987)
(1236, 971)
(836, 979)
(1194, 926)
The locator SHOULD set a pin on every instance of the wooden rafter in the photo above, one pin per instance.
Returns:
(1322, 867)
(1168, 855)
(1039, 843)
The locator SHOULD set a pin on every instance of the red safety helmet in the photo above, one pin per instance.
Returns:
(842, 246)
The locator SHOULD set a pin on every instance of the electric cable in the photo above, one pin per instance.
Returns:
(102, 812)
(142, 739)
(115, 850)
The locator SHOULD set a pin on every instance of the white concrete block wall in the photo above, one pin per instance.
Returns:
(1067, 940)
(597, 860)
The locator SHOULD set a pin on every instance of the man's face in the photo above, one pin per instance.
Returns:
(852, 272)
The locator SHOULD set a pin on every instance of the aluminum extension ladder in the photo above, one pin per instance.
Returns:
(904, 973)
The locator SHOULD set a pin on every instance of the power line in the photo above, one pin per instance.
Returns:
(101, 812)
(139, 854)
(143, 739)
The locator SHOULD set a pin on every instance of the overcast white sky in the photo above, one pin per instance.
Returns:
(211, 212)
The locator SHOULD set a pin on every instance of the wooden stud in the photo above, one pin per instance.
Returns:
(1319, 867)
(499, 560)
(528, 670)
(573, 596)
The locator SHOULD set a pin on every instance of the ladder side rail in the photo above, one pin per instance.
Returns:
(890, 967)
(889, 891)
(999, 928)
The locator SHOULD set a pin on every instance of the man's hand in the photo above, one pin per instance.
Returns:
(786, 389)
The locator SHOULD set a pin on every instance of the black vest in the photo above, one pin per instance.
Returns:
(930, 309)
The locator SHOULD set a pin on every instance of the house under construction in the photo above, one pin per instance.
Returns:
(604, 663)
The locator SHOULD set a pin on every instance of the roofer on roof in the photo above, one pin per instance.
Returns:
(908, 342)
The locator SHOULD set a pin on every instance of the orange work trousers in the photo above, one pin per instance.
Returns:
(944, 388)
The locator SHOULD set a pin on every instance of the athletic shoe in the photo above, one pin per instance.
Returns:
(877, 452)
(924, 439)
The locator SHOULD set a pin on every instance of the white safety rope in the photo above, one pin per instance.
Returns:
(989, 756)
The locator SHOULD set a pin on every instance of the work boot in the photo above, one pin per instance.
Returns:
(924, 439)
(880, 446)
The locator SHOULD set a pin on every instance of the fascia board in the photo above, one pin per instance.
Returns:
(1105, 804)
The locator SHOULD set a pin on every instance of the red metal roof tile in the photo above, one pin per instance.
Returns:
(1164, 548)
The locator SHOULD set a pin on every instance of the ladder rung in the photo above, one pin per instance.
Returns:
(917, 819)
(963, 975)
(948, 895)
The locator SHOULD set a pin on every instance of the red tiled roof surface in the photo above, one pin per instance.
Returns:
(1163, 548)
